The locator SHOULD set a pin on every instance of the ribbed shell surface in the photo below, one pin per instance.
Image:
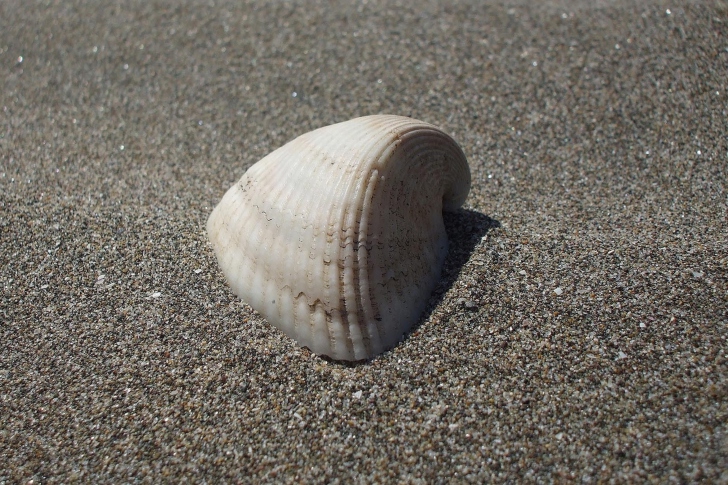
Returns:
(337, 238)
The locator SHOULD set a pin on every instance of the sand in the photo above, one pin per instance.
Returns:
(579, 331)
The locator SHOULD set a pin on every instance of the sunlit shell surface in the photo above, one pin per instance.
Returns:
(337, 238)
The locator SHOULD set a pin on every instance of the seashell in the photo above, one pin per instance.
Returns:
(337, 238)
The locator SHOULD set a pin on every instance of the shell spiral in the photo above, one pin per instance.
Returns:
(337, 238)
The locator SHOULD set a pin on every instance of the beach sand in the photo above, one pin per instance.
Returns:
(579, 331)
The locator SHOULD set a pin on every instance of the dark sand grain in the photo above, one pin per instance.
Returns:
(579, 333)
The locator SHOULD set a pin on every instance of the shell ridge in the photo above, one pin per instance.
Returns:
(357, 342)
(337, 221)
(369, 333)
(367, 302)
(350, 275)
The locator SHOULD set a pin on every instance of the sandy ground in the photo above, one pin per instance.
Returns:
(578, 334)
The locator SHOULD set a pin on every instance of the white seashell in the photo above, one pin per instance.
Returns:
(337, 238)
